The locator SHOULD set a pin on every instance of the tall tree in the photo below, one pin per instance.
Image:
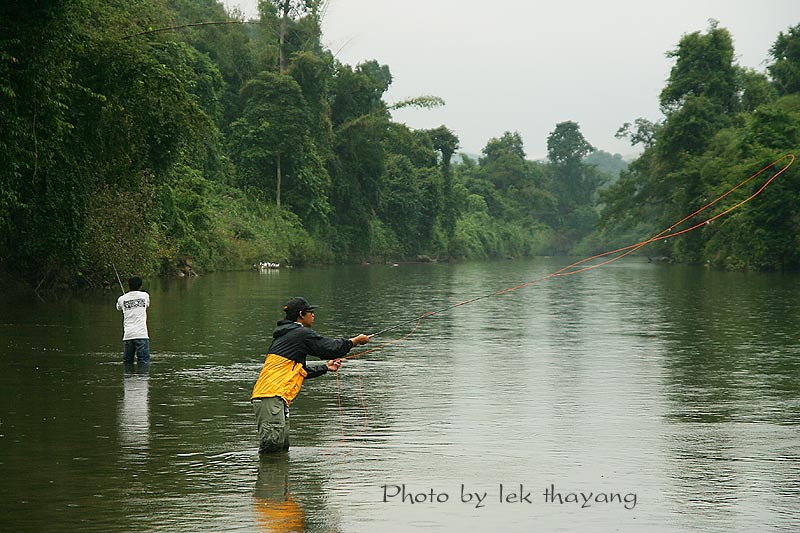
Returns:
(703, 67)
(785, 69)
(446, 143)
(274, 125)
(701, 97)
(574, 183)
(314, 73)
(357, 170)
(566, 149)
(701, 94)
(290, 16)
(357, 93)
(503, 161)
(361, 121)
(45, 191)
(566, 144)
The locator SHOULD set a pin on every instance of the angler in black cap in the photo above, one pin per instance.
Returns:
(285, 368)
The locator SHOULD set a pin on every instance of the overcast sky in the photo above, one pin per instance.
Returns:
(516, 65)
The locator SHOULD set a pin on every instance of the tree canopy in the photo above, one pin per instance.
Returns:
(722, 123)
(142, 136)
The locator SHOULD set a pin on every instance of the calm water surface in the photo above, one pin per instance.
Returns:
(647, 397)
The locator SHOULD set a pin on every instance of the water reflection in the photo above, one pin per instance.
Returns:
(275, 509)
(726, 340)
(680, 385)
(134, 411)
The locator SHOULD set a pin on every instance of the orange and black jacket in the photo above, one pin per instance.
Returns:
(285, 366)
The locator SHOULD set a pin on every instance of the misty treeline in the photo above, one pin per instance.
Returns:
(216, 146)
(722, 124)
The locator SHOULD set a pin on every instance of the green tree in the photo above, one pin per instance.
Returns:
(703, 67)
(755, 90)
(227, 46)
(566, 144)
(722, 123)
(642, 132)
(503, 161)
(361, 124)
(702, 97)
(358, 93)
(446, 143)
(405, 203)
(701, 94)
(575, 182)
(290, 26)
(785, 69)
(272, 130)
(43, 203)
(314, 74)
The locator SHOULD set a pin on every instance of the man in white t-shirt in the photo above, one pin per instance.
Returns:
(135, 340)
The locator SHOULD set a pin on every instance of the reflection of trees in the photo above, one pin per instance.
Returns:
(728, 367)
(730, 339)
(703, 344)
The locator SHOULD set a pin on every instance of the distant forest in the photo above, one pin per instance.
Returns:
(142, 137)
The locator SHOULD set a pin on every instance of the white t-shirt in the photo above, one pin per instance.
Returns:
(133, 305)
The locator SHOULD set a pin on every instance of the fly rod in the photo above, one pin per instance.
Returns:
(431, 313)
(118, 278)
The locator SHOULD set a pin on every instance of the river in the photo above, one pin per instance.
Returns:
(633, 397)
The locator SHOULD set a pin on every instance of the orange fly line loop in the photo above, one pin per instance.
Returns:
(570, 270)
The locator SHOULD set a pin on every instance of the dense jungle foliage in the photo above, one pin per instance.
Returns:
(136, 138)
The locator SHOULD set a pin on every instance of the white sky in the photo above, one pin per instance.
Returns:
(516, 65)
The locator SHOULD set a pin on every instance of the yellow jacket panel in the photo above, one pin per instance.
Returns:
(279, 377)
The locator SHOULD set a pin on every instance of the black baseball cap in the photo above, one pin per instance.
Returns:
(297, 304)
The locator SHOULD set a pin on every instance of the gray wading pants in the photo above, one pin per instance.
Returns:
(273, 424)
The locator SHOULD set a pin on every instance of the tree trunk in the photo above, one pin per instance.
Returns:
(282, 36)
(278, 193)
(282, 68)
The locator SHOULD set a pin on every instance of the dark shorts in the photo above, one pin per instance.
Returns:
(138, 347)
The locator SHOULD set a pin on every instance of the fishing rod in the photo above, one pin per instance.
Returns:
(192, 25)
(431, 313)
(403, 323)
(118, 278)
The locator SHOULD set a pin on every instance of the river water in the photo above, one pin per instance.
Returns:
(633, 397)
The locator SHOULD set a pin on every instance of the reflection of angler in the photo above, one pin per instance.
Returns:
(134, 412)
(276, 511)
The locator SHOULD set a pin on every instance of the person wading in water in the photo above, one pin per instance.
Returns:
(285, 369)
(135, 339)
